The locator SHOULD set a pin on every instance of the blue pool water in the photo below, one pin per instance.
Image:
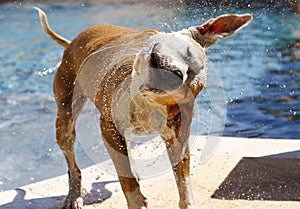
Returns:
(259, 69)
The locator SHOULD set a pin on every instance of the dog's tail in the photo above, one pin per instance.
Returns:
(44, 22)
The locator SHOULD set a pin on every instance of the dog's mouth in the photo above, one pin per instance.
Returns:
(181, 95)
(146, 88)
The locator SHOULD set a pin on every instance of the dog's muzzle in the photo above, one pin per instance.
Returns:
(162, 74)
(160, 80)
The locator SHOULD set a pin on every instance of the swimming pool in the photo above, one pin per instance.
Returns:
(259, 69)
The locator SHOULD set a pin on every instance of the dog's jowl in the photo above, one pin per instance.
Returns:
(141, 83)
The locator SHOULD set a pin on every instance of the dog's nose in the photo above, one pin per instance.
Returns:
(153, 60)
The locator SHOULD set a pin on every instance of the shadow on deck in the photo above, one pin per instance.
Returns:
(274, 177)
(97, 194)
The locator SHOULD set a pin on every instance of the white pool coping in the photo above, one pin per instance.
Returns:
(206, 177)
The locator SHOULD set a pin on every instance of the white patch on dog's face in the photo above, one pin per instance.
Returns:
(168, 61)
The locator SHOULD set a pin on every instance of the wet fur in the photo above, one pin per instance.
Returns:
(176, 106)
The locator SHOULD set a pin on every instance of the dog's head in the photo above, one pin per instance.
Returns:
(173, 65)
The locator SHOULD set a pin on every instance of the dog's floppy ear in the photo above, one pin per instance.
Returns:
(223, 26)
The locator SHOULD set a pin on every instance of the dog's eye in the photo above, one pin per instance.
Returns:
(178, 73)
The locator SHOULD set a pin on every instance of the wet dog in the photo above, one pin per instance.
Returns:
(141, 83)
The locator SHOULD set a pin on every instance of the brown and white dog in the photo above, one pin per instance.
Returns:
(141, 83)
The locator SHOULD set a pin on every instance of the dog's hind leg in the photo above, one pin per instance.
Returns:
(65, 136)
(68, 109)
(117, 148)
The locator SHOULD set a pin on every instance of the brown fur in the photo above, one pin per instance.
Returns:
(177, 105)
(89, 41)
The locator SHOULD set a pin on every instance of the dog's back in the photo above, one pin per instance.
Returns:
(91, 40)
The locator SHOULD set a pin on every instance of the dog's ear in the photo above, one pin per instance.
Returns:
(223, 26)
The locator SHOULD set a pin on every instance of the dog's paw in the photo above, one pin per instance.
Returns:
(190, 207)
(139, 205)
(73, 203)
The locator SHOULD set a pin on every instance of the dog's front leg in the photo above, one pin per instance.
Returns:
(117, 148)
(176, 138)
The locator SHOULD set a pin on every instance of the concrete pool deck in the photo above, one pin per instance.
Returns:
(242, 173)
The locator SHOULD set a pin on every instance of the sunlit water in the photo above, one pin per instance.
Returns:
(259, 69)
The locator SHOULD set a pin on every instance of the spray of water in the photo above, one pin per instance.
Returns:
(148, 154)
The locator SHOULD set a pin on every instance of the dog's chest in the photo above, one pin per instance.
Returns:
(146, 116)
(136, 114)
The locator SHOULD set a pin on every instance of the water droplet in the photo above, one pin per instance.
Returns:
(294, 113)
(282, 86)
(279, 54)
